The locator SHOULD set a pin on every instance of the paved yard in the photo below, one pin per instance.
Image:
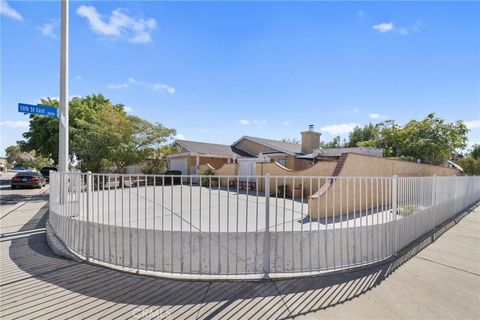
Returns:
(441, 281)
(217, 209)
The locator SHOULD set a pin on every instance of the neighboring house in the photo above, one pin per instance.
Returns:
(295, 156)
(3, 164)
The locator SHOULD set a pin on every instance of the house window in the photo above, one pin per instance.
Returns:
(283, 162)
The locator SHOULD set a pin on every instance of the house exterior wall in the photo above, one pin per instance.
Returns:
(320, 169)
(279, 159)
(364, 165)
(357, 165)
(301, 164)
(214, 162)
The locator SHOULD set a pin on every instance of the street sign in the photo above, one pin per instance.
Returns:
(38, 109)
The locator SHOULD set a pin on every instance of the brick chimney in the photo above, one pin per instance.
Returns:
(310, 140)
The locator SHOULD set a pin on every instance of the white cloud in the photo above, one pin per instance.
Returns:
(14, 124)
(117, 86)
(360, 13)
(160, 87)
(285, 123)
(259, 122)
(8, 11)
(376, 116)
(472, 124)
(336, 129)
(180, 136)
(384, 27)
(78, 77)
(388, 27)
(48, 29)
(118, 25)
(356, 110)
(407, 30)
(127, 109)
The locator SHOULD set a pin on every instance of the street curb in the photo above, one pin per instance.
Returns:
(57, 246)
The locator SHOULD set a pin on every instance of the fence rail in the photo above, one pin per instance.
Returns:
(248, 226)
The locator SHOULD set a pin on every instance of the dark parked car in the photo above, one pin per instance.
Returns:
(28, 179)
(45, 171)
(22, 168)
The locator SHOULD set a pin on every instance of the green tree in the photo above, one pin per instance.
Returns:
(101, 134)
(387, 138)
(431, 140)
(362, 134)
(158, 162)
(470, 165)
(475, 151)
(137, 140)
(15, 156)
(43, 134)
(334, 143)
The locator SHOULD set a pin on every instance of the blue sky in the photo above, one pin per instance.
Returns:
(218, 70)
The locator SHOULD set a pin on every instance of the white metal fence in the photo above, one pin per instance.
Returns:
(250, 226)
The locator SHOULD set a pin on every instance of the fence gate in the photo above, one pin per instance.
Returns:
(247, 167)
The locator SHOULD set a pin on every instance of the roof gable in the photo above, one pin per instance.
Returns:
(285, 147)
(210, 148)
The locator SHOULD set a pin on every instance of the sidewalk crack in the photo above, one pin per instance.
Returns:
(448, 266)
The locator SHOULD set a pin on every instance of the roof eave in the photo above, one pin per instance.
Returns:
(266, 144)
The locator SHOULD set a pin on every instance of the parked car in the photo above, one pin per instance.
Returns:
(28, 179)
(22, 169)
(18, 169)
(45, 171)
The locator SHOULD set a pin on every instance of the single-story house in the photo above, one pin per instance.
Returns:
(295, 156)
(192, 154)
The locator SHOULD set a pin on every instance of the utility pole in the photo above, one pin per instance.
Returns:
(63, 159)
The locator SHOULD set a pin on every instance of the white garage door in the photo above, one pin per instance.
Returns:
(178, 164)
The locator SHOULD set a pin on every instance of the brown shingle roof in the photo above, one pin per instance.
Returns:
(211, 148)
(286, 147)
(337, 152)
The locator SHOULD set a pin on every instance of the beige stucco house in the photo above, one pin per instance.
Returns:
(192, 154)
(295, 156)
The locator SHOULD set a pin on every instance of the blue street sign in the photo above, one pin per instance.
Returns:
(38, 109)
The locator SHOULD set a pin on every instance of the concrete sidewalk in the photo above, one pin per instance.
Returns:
(441, 281)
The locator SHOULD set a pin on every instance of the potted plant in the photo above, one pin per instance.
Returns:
(209, 180)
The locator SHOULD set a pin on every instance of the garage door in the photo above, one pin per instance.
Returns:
(178, 164)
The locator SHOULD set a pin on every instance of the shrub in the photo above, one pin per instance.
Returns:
(209, 173)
